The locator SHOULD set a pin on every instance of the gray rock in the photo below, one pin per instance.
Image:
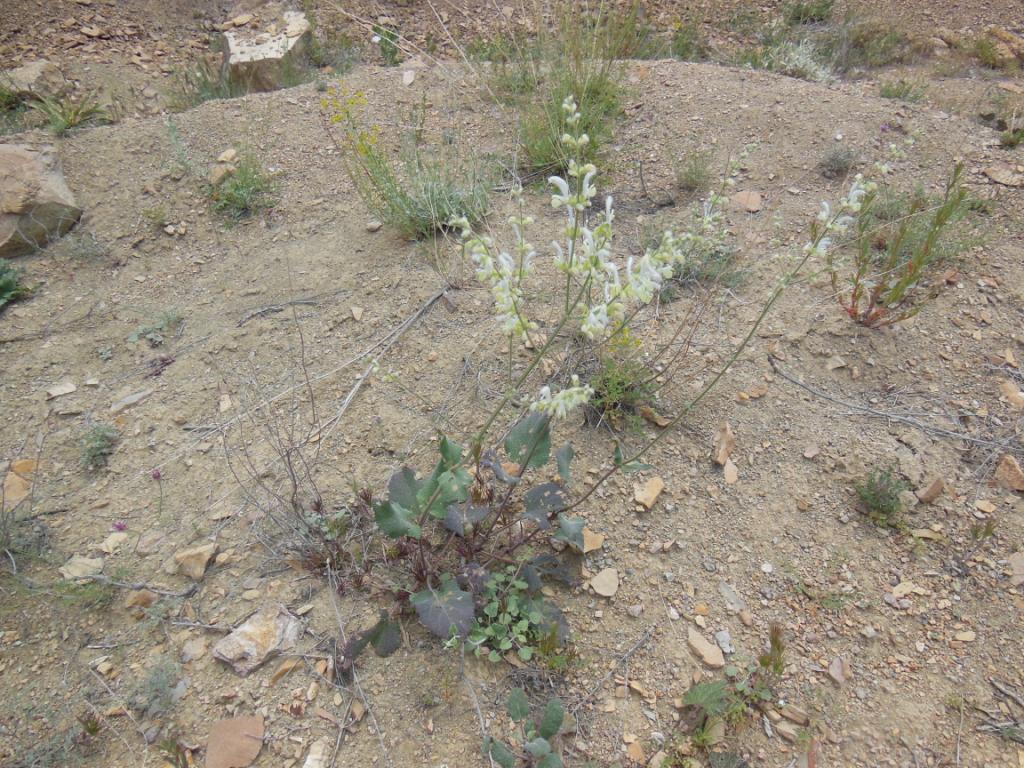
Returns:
(264, 634)
(35, 80)
(36, 206)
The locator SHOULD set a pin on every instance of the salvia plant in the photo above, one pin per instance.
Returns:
(469, 544)
(536, 737)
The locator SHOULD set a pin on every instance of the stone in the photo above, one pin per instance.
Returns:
(261, 60)
(708, 652)
(658, 759)
(35, 80)
(113, 542)
(839, 670)
(747, 200)
(218, 173)
(141, 598)
(235, 742)
(264, 634)
(795, 715)
(79, 568)
(606, 583)
(725, 441)
(730, 472)
(36, 206)
(929, 492)
(193, 561)
(635, 752)
(787, 731)
(592, 541)
(647, 493)
(193, 649)
(966, 636)
(228, 155)
(129, 400)
(1016, 561)
(724, 640)
(319, 754)
(1008, 474)
(733, 602)
(1005, 174)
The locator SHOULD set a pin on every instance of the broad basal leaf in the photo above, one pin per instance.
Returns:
(570, 530)
(529, 442)
(403, 487)
(459, 517)
(395, 520)
(386, 637)
(551, 722)
(444, 610)
(501, 754)
(518, 705)
(564, 567)
(541, 500)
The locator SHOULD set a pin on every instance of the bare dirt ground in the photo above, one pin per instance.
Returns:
(924, 622)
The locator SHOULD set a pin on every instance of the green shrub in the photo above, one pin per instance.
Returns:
(249, 190)
(858, 43)
(879, 494)
(98, 446)
(420, 193)
(693, 171)
(837, 162)
(622, 383)
(901, 89)
(387, 43)
(11, 287)
(897, 242)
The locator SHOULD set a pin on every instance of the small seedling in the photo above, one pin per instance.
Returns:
(837, 162)
(511, 620)
(537, 739)
(166, 322)
(11, 287)
(64, 114)
(98, 446)
(879, 494)
(693, 171)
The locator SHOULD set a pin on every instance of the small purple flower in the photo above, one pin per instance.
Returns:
(156, 475)
(119, 525)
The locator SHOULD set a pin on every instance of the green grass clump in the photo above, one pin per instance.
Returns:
(693, 171)
(11, 287)
(879, 495)
(837, 162)
(1011, 138)
(98, 446)
(799, 12)
(622, 383)
(248, 191)
(901, 89)
(858, 43)
(64, 114)
(688, 43)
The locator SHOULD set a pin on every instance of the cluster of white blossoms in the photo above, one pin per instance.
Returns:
(559, 404)
(838, 221)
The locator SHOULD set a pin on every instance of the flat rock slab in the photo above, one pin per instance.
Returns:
(36, 206)
(235, 742)
(264, 634)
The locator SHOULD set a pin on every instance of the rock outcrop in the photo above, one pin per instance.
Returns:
(36, 206)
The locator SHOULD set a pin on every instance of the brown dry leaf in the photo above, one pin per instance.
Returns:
(653, 416)
(284, 668)
(18, 481)
(235, 742)
(725, 441)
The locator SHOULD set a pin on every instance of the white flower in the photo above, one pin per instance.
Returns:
(558, 405)
(596, 322)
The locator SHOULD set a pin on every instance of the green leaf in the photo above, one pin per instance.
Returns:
(459, 517)
(570, 530)
(403, 487)
(542, 500)
(564, 460)
(631, 466)
(529, 442)
(538, 747)
(518, 705)
(550, 760)
(445, 609)
(712, 697)
(525, 653)
(451, 453)
(386, 637)
(501, 754)
(551, 722)
(442, 488)
(395, 520)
